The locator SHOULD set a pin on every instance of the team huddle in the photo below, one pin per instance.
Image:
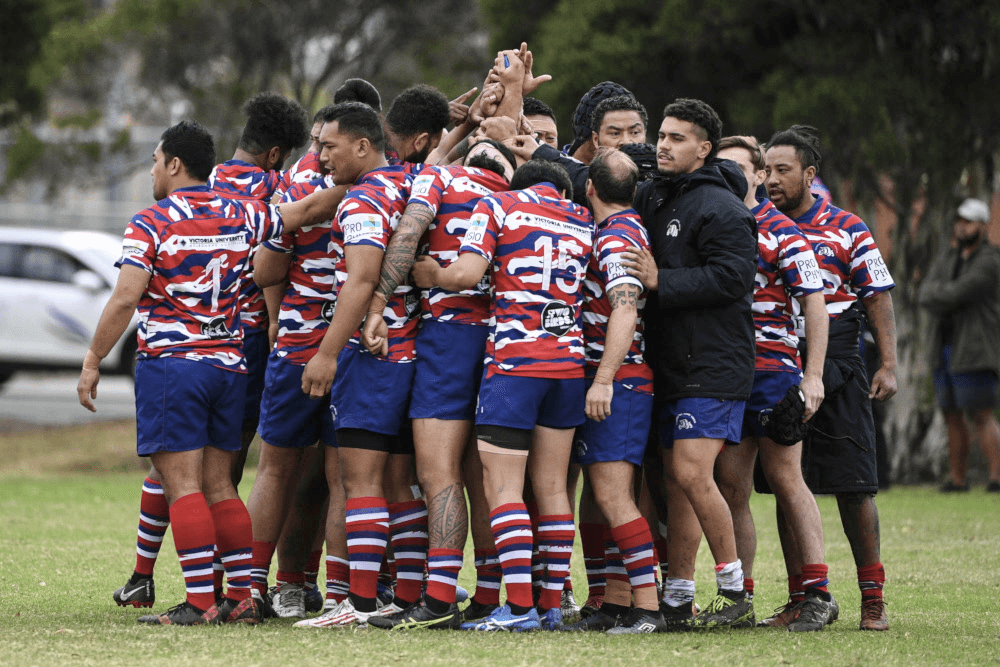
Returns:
(435, 332)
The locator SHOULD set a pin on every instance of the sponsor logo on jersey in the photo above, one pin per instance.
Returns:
(674, 228)
(557, 318)
(823, 249)
(216, 328)
(685, 421)
(878, 270)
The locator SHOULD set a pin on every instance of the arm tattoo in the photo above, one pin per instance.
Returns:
(624, 295)
(402, 248)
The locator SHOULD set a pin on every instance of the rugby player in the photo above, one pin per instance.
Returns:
(839, 451)
(786, 271)
(275, 126)
(543, 121)
(182, 265)
(532, 395)
(450, 349)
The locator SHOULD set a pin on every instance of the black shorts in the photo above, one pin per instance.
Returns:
(838, 454)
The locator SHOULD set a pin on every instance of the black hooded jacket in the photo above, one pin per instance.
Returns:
(699, 326)
(700, 333)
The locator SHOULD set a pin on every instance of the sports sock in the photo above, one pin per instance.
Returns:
(677, 592)
(260, 564)
(511, 528)
(636, 546)
(555, 537)
(795, 591)
(748, 586)
(488, 575)
(592, 539)
(367, 536)
(617, 591)
(408, 528)
(194, 539)
(218, 571)
(312, 567)
(871, 580)
(338, 575)
(815, 581)
(285, 577)
(234, 535)
(729, 576)
(154, 517)
(443, 566)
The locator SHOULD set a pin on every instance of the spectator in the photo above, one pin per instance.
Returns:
(962, 292)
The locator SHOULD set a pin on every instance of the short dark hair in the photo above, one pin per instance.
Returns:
(750, 145)
(320, 116)
(532, 106)
(701, 115)
(804, 139)
(617, 103)
(193, 145)
(418, 109)
(273, 120)
(614, 176)
(534, 172)
(486, 162)
(359, 121)
(359, 90)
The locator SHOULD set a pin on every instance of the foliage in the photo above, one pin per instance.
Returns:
(27, 23)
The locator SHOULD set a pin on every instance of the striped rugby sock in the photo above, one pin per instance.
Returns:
(367, 536)
(154, 517)
(194, 539)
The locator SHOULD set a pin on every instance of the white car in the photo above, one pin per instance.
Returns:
(53, 287)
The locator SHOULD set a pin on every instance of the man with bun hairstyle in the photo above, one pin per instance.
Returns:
(839, 451)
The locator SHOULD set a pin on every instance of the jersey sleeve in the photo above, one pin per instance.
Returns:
(364, 221)
(428, 188)
(264, 221)
(797, 263)
(609, 248)
(139, 247)
(869, 273)
(484, 228)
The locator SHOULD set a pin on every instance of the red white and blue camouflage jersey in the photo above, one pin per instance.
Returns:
(368, 215)
(849, 261)
(308, 303)
(538, 245)
(605, 271)
(307, 168)
(240, 180)
(786, 270)
(196, 244)
(452, 193)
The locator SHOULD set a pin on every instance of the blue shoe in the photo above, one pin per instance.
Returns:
(551, 619)
(502, 620)
(461, 595)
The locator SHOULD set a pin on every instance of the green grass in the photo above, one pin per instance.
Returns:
(67, 541)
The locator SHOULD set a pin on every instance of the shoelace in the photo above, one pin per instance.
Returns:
(872, 609)
(720, 603)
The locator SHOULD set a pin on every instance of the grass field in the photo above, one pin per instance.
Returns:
(67, 536)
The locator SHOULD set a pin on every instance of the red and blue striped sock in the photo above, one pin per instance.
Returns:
(338, 578)
(488, 576)
(815, 578)
(234, 535)
(555, 536)
(154, 517)
(592, 541)
(194, 539)
(443, 566)
(408, 528)
(511, 528)
(871, 580)
(367, 536)
(312, 567)
(263, 552)
(636, 546)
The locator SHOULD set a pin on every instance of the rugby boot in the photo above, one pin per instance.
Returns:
(873, 616)
(183, 614)
(640, 622)
(811, 615)
(418, 615)
(600, 620)
(728, 610)
(138, 591)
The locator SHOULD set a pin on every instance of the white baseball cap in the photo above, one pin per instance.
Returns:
(974, 210)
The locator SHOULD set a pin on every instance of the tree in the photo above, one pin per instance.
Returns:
(904, 94)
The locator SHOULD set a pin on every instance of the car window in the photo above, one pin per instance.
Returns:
(10, 260)
(50, 264)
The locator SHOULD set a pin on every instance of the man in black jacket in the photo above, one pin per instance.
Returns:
(701, 271)
(962, 291)
(701, 339)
